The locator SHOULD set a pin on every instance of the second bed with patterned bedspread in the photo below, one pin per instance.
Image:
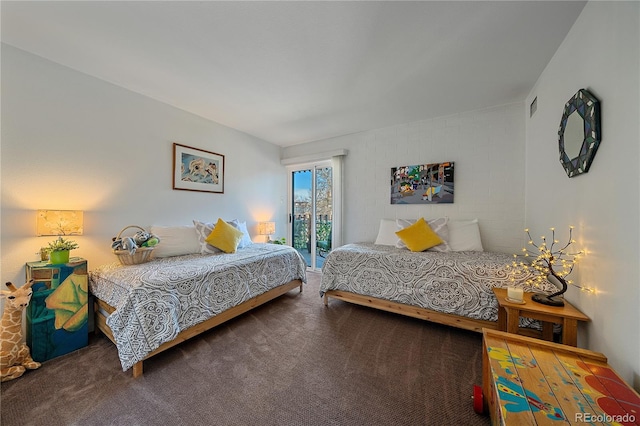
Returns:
(452, 283)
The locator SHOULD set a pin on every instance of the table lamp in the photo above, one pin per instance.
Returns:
(267, 228)
(59, 222)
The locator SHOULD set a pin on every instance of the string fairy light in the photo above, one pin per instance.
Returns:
(548, 259)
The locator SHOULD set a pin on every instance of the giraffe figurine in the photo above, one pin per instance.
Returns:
(15, 356)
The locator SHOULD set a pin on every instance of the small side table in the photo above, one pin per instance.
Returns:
(57, 316)
(568, 316)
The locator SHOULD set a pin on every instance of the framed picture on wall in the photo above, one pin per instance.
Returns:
(422, 184)
(197, 170)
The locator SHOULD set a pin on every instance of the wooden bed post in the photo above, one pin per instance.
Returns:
(137, 369)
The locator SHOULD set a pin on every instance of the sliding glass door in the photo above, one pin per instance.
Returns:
(312, 211)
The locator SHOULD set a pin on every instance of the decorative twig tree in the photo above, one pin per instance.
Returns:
(549, 264)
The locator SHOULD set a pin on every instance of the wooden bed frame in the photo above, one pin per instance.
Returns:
(101, 319)
(411, 311)
(452, 320)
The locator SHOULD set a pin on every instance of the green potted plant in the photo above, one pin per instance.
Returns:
(59, 250)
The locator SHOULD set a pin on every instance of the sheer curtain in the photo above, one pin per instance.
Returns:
(337, 164)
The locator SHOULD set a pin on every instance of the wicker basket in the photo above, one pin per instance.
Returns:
(142, 254)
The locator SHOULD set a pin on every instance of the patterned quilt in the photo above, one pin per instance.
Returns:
(457, 283)
(156, 300)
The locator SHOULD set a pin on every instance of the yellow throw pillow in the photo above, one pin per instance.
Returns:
(419, 236)
(225, 237)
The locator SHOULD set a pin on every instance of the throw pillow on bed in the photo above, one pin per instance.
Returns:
(464, 235)
(419, 236)
(225, 237)
(387, 233)
(242, 226)
(438, 225)
(204, 229)
(176, 240)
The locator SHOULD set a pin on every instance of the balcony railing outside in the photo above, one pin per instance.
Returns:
(302, 235)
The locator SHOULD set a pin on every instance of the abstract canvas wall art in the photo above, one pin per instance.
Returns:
(422, 184)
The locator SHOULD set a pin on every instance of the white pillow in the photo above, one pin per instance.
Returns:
(438, 225)
(464, 235)
(175, 240)
(387, 233)
(203, 230)
(242, 226)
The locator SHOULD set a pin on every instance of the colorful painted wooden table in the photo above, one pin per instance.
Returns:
(57, 316)
(527, 381)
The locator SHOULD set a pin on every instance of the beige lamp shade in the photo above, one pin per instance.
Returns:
(266, 228)
(59, 222)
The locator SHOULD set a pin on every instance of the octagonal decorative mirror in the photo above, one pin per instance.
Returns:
(579, 133)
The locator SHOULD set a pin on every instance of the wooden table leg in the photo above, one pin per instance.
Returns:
(547, 331)
(502, 319)
(570, 332)
(513, 320)
(486, 374)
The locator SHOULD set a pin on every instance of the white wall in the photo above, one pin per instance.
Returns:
(71, 141)
(600, 53)
(487, 147)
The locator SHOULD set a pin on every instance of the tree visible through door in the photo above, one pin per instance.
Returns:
(312, 213)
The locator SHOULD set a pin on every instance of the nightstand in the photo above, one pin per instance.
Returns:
(509, 314)
(57, 316)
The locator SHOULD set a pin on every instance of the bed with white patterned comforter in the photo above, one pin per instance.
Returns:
(155, 301)
(456, 283)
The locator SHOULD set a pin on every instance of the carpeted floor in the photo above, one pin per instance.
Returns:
(290, 362)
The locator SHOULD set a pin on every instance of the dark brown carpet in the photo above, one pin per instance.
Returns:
(290, 362)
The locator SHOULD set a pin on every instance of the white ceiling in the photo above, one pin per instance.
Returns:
(292, 72)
